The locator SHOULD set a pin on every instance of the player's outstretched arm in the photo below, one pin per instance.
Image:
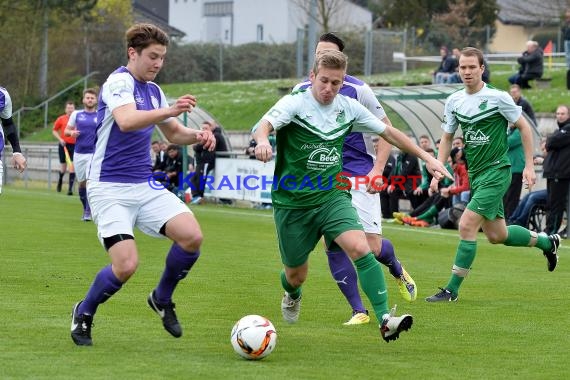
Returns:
(263, 150)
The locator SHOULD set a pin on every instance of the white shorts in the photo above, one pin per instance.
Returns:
(119, 207)
(368, 207)
(81, 162)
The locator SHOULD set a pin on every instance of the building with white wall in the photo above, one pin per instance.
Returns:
(237, 22)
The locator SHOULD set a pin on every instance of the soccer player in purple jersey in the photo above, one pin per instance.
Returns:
(120, 186)
(82, 125)
(360, 159)
(8, 129)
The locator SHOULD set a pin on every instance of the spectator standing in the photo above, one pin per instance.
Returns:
(566, 37)
(65, 142)
(557, 170)
(8, 131)
(521, 101)
(516, 157)
(160, 158)
(531, 65)
(173, 167)
(206, 160)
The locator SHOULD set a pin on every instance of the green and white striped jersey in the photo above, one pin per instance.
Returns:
(310, 137)
(484, 118)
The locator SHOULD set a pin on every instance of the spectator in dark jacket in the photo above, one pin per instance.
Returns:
(557, 170)
(531, 65)
(206, 160)
(446, 67)
(521, 101)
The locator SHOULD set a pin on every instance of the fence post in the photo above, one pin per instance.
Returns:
(49, 169)
(26, 176)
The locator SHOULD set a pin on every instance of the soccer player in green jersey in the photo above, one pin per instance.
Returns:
(308, 198)
(483, 113)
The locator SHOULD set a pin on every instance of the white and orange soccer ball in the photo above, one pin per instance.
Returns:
(253, 337)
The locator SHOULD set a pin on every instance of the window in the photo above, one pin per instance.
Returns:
(259, 33)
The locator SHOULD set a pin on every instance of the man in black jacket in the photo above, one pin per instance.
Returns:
(557, 170)
(206, 160)
(532, 65)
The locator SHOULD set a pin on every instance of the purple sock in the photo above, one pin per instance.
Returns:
(104, 286)
(178, 264)
(83, 197)
(345, 276)
(388, 258)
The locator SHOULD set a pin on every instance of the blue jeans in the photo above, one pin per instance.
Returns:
(522, 212)
(567, 51)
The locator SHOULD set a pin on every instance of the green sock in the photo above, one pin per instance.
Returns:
(517, 236)
(463, 259)
(429, 214)
(520, 237)
(294, 293)
(372, 283)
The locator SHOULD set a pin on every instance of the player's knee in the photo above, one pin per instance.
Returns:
(126, 268)
(191, 242)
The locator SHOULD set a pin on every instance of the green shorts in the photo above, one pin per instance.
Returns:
(299, 230)
(487, 191)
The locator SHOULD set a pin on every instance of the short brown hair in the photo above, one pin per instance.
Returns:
(474, 52)
(330, 59)
(141, 36)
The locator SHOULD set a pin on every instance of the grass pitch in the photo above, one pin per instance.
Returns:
(511, 321)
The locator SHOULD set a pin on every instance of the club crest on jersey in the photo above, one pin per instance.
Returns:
(483, 104)
(340, 117)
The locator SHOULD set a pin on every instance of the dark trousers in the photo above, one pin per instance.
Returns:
(198, 179)
(513, 195)
(557, 190)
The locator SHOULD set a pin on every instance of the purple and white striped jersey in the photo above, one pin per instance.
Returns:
(358, 150)
(124, 157)
(5, 113)
(86, 123)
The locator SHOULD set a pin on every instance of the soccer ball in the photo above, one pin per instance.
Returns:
(253, 337)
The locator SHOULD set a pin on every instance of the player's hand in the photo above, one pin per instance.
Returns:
(529, 177)
(375, 182)
(185, 103)
(263, 152)
(207, 139)
(19, 162)
(433, 186)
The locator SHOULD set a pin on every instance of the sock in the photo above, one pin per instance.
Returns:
(429, 214)
(71, 180)
(104, 286)
(178, 264)
(520, 237)
(388, 258)
(372, 283)
(83, 197)
(463, 259)
(293, 292)
(60, 181)
(345, 276)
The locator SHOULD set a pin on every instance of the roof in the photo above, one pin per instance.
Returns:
(146, 15)
(530, 12)
(421, 107)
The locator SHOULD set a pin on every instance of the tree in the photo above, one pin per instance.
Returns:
(326, 11)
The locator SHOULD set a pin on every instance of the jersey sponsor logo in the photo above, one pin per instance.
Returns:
(139, 100)
(476, 138)
(323, 158)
